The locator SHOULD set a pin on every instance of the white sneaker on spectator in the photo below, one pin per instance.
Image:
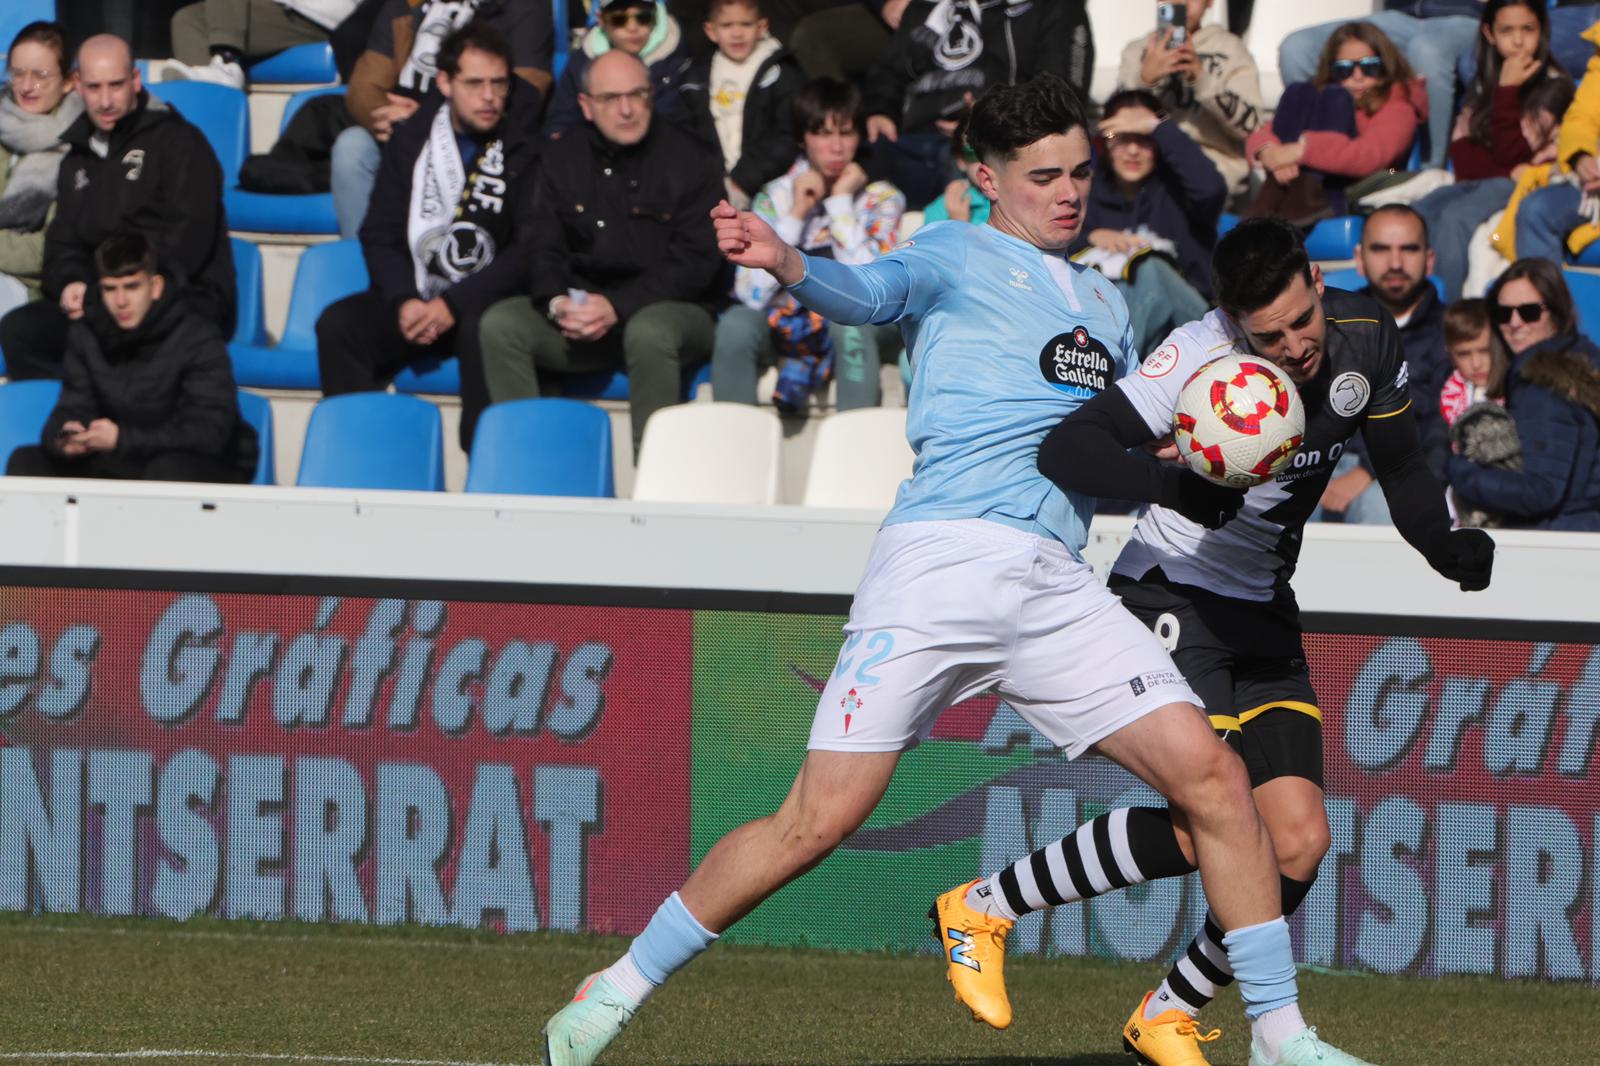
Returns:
(220, 71)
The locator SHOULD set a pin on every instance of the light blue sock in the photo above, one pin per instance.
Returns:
(672, 938)
(1263, 963)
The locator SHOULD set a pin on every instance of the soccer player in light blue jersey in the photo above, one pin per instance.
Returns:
(977, 581)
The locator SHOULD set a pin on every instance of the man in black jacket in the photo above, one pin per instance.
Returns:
(147, 387)
(439, 236)
(623, 265)
(942, 57)
(133, 164)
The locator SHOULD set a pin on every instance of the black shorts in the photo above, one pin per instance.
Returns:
(1246, 661)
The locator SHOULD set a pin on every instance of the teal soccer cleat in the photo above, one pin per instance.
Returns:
(584, 1028)
(1304, 1049)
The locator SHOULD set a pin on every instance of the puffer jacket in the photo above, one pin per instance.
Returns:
(1553, 392)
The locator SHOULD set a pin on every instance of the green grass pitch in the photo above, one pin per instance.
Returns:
(241, 992)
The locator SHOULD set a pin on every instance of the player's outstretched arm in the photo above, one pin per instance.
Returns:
(1416, 503)
(1088, 453)
(746, 240)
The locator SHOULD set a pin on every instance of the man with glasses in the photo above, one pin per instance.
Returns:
(438, 238)
(622, 268)
(132, 163)
(640, 28)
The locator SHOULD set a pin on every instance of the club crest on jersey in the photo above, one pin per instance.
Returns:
(1076, 363)
(1160, 362)
(1349, 393)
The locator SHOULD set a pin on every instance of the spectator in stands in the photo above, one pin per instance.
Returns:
(212, 39)
(1561, 216)
(132, 163)
(962, 201)
(1552, 391)
(1432, 34)
(1208, 84)
(1151, 220)
(1355, 118)
(1478, 366)
(147, 391)
(845, 38)
(37, 105)
(824, 206)
(1542, 113)
(640, 28)
(397, 70)
(739, 99)
(438, 238)
(944, 55)
(623, 268)
(1488, 149)
(1395, 259)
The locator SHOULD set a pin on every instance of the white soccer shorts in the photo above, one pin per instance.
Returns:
(949, 609)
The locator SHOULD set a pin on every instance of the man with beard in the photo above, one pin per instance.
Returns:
(1395, 258)
(438, 238)
(147, 386)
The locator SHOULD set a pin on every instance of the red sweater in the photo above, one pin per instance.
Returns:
(1508, 147)
(1382, 139)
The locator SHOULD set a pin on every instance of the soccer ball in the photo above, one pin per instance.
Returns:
(1239, 421)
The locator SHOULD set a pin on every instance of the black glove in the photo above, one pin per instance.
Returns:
(1205, 502)
(1464, 555)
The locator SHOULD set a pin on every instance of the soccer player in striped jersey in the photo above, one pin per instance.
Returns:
(1219, 599)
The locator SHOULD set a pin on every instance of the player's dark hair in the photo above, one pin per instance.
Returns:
(123, 254)
(1404, 211)
(1546, 277)
(823, 98)
(1255, 262)
(1464, 320)
(1008, 118)
(478, 35)
(48, 34)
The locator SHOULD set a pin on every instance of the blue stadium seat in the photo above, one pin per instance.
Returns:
(24, 407)
(327, 272)
(15, 14)
(261, 212)
(1585, 288)
(542, 447)
(249, 327)
(1335, 238)
(223, 115)
(304, 64)
(439, 377)
(374, 440)
(257, 411)
(1350, 278)
(1226, 222)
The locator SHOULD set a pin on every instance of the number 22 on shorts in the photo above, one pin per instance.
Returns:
(879, 646)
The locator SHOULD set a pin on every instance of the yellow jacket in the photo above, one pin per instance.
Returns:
(1580, 133)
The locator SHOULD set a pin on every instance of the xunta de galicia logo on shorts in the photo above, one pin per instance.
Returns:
(1076, 363)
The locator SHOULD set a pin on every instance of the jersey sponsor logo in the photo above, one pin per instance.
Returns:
(1019, 279)
(1349, 393)
(1155, 679)
(1308, 462)
(1160, 362)
(1076, 363)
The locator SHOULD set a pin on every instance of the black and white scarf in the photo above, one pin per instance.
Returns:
(36, 140)
(436, 21)
(458, 217)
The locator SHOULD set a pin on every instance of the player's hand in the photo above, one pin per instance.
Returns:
(1200, 501)
(1465, 556)
(1162, 449)
(745, 240)
(881, 126)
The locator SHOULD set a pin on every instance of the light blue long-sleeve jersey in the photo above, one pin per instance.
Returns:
(1003, 345)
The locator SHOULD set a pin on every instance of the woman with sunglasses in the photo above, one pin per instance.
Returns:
(1553, 393)
(37, 105)
(1359, 115)
(1489, 149)
(639, 27)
